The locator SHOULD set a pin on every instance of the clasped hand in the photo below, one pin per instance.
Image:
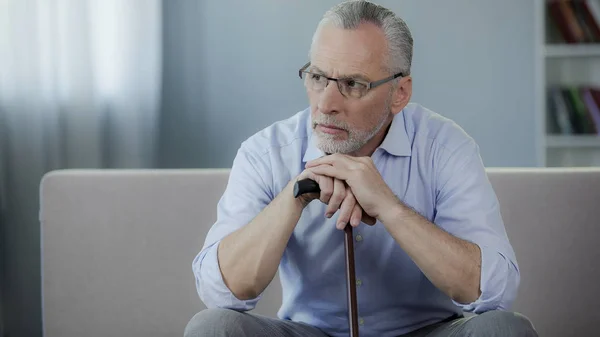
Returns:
(352, 185)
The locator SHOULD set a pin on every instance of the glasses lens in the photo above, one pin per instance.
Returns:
(352, 88)
(315, 81)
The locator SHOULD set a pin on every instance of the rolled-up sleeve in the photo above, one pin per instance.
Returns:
(247, 193)
(467, 207)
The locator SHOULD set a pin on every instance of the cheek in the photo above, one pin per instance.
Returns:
(367, 115)
(314, 106)
(313, 98)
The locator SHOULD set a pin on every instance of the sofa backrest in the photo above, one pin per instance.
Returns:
(117, 247)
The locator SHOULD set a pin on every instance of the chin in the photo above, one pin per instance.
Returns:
(330, 146)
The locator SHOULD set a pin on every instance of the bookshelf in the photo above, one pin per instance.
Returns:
(560, 141)
(567, 84)
(556, 51)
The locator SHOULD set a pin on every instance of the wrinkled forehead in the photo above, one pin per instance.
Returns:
(338, 52)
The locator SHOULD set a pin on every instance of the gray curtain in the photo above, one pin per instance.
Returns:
(79, 88)
(3, 208)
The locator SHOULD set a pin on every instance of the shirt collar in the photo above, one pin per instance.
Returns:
(396, 141)
(312, 151)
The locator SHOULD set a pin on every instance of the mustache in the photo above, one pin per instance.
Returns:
(328, 120)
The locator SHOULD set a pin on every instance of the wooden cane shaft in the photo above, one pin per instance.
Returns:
(351, 281)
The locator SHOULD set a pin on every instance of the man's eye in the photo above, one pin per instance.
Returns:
(315, 77)
(353, 84)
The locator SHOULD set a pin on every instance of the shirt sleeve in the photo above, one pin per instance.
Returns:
(467, 207)
(246, 194)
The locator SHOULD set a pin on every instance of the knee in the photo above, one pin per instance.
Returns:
(213, 322)
(501, 323)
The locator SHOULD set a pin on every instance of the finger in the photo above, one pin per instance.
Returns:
(323, 181)
(359, 214)
(339, 193)
(326, 186)
(330, 171)
(346, 210)
(336, 159)
(356, 215)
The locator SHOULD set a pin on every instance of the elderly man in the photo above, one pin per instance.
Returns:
(430, 240)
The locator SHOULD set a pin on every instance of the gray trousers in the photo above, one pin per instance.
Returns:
(225, 323)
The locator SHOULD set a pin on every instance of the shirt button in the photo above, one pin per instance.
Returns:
(361, 321)
(358, 282)
(359, 237)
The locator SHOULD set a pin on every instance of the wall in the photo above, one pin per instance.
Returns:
(231, 69)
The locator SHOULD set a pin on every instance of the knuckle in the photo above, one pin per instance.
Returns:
(364, 162)
(344, 216)
(325, 192)
(339, 195)
(346, 212)
(354, 202)
(349, 193)
(350, 203)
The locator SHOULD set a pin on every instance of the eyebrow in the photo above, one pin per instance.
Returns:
(353, 76)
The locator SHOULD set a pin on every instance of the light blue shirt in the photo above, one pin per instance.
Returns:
(431, 164)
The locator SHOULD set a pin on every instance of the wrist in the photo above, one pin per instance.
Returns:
(298, 204)
(392, 212)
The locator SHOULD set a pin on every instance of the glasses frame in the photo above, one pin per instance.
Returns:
(370, 85)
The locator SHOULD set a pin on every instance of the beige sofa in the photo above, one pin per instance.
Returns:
(117, 247)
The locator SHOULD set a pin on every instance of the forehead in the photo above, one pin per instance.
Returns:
(339, 51)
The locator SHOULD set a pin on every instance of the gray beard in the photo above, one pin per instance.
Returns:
(356, 139)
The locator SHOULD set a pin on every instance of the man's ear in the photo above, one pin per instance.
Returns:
(402, 94)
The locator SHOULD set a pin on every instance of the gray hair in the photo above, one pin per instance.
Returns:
(350, 14)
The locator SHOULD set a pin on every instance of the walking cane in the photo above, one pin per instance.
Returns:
(310, 186)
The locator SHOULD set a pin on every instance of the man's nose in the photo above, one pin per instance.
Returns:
(331, 99)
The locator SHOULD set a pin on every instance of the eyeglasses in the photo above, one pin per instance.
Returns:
(349, 87)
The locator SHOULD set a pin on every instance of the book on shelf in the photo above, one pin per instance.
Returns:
(574, 21)
(573, 110)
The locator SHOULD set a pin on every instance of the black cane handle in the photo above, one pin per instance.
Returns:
(306, 186)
